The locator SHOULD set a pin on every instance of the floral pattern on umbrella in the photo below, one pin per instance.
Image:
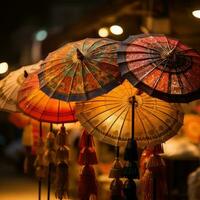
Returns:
(163, 67)
(80, 70)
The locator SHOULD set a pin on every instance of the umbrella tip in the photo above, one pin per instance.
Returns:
(25, 74)
(80, 56)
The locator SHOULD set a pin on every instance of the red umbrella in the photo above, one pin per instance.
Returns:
(161, 66)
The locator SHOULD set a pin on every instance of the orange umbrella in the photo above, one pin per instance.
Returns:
(109, 117)
(36, 104)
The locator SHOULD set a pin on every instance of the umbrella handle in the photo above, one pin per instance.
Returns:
(39, 188)
(133, 116)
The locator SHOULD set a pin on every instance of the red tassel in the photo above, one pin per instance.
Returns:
(154, 179)
(87, 154)
(87, 184)
(86, 140)
(146, 155)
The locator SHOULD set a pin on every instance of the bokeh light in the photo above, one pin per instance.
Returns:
(116, 29)
(3, 67)
(196, 13)
(41, 35)
(103, 32)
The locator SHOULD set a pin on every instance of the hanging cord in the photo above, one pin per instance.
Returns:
(131, 157)
(39, 162)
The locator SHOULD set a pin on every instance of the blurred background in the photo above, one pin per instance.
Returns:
(32, 29)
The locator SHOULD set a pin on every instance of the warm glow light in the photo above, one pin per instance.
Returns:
(41, 35)
(103, 32)
(116, 30)
(196, 13)
(3, 67)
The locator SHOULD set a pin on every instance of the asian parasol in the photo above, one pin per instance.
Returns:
(162, 67)
(109, 117)
(10, 85)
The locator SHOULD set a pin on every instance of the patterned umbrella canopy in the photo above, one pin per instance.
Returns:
(162, 67)
(36, 104)
(80, 70)
(10, 85)
(109, 117)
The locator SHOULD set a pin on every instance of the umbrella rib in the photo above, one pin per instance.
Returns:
(105, 111)
(91, 46)
(54, 69)
(59, 80)
(71, 110)
(152, 113)
(130, 44)
(151, 70)
(158, 133)
(180, 82)
(97, 48)
(86, 67)
(84, 42)
(161, 111)
(112, 122)
(120, 133)
(187, 80)
(89, 109)
(6, 98)
(169, 48)
(98, 68)
(141, 59)
(71, 83)
(138, 114)
(162, 71)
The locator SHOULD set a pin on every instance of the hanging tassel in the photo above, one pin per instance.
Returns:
(87, 154)
(50, 158)
(50, 153)
(130, 153)
(131, 170)
(87, 157)
(62, 160)
(62, 181)
(39, 162)
(130, 192)
(116, 186)
(154, 179)
(157, 149)
(87, 183)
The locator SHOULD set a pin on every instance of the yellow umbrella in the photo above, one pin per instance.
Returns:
(109, 117)
(10, 85)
